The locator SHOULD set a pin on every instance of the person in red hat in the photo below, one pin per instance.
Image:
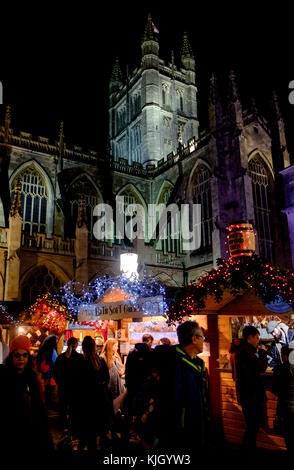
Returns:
(23, 415)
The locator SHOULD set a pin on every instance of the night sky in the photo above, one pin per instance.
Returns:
(57, 65)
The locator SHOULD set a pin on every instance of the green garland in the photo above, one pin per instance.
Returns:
(236, 276)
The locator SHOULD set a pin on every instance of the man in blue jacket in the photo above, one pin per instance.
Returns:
(184, 410)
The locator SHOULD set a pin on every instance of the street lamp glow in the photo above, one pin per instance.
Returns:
(129, 264)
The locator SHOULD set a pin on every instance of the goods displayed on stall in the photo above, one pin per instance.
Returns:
(157, 329)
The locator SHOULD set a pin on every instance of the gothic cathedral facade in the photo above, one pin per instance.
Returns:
(237, 170)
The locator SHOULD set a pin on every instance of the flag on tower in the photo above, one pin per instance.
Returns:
(155, 30)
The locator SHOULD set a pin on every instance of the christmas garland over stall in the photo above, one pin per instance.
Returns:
(234, 275)
(54, 311)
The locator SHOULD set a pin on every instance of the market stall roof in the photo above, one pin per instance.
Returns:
(114, 295)
(247, 303)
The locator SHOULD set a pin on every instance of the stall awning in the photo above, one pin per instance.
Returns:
(245, 304)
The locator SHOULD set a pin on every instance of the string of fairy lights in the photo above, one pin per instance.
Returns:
(52, 312)
(235, 275)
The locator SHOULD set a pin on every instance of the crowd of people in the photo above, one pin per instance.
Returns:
(160, 393)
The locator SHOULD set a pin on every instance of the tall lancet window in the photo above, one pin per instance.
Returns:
(125, 207)
(82, 189)
(34, 200)
(171, 239)
(262, 206)
(202, 195)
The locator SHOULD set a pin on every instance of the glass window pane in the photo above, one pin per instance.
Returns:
(36, 209)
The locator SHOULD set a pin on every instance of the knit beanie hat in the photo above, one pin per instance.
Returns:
(20, 342)
(271, 326)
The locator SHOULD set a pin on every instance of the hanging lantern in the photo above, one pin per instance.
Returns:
(241, 239)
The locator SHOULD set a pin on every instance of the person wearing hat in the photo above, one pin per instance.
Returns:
(283, 386)
(283, 335)
(23, 415)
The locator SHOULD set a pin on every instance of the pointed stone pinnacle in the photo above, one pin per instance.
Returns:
(82, 213)
(116, 75)
(186, 50)
(149, 31)
(16, 203)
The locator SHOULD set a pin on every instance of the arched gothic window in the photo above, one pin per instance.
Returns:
(83, 189)
(202, 195)
(170, 244)
(262, 207)
(129, 198)
(34, 200)
(38, 283)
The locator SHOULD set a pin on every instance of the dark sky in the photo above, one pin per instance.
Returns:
(56, 65)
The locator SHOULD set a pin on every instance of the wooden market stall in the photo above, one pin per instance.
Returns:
(44, 317)
(243, 289)
(127, 321)
(225, 321)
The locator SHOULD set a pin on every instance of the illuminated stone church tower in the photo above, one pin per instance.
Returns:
(155, 107)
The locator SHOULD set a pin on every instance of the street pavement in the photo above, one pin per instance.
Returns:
(67, 454)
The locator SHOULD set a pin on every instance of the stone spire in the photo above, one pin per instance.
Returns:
(187, 56)
(82, 213)
(186, 50)
(7, 122)
(149, 46)
(81, 245)
(60, 147)
(16, 203)
(14, 244)
(234, 105)
(149, 34)
(281, 130)
(215, 109)
(116, 80)
(276, 105)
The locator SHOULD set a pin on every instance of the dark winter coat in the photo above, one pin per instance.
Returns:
(184, 408)
(92, 402)
(138, 367)
(65, 370)
(283, 385)
(24, 427)
(249, 366)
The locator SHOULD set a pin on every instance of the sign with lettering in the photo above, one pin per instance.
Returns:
(149, 306)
